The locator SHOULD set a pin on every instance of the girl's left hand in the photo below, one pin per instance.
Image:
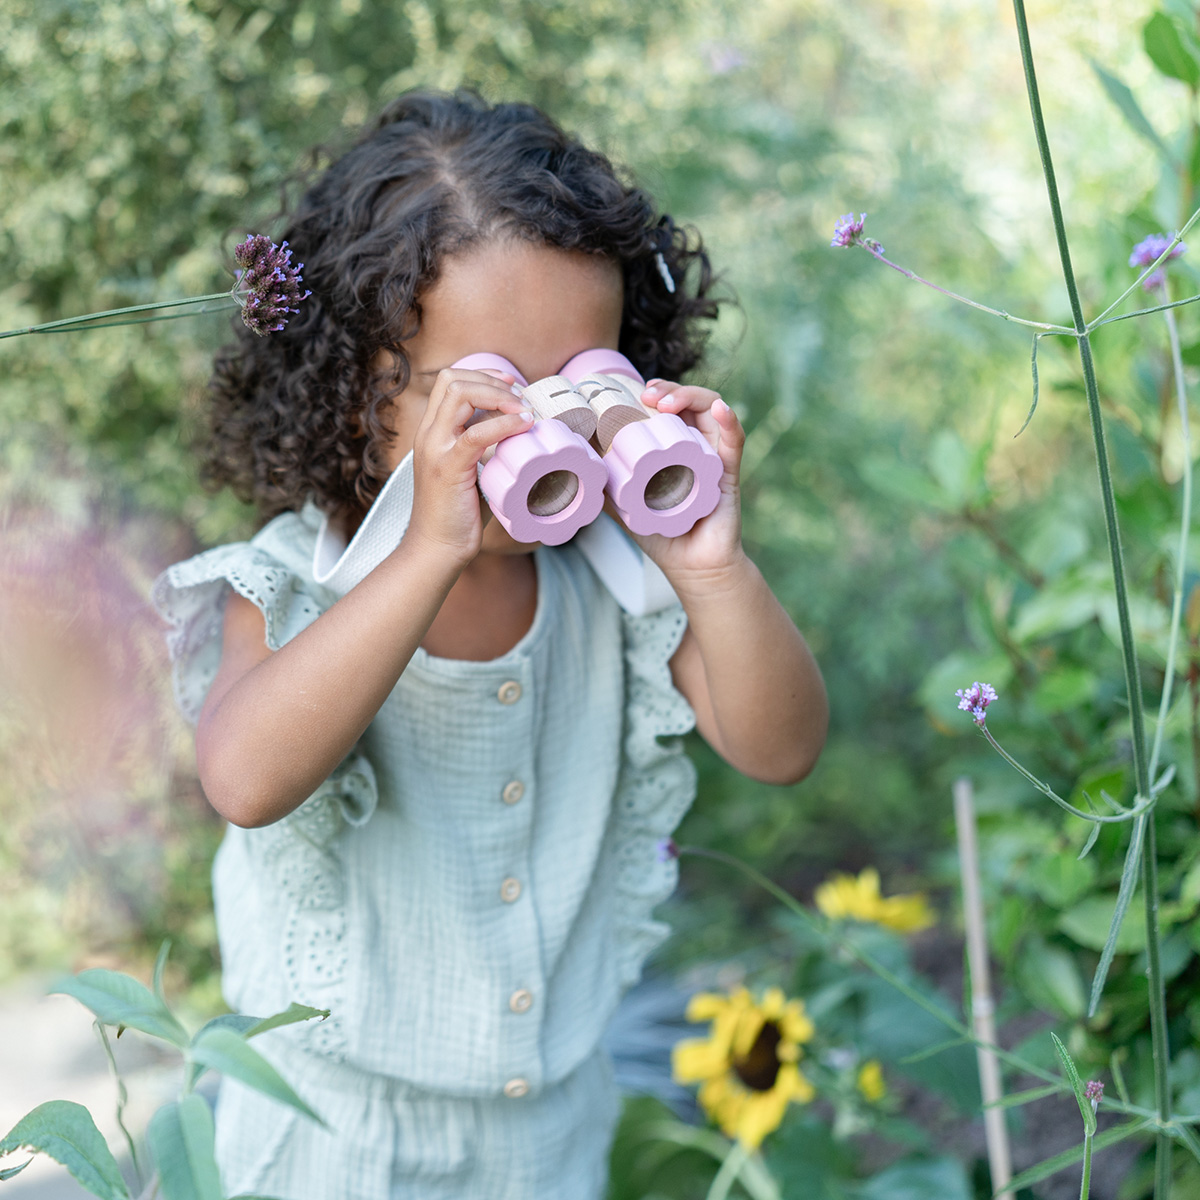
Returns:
(714, 543)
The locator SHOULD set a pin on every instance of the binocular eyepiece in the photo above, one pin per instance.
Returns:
(592, 434)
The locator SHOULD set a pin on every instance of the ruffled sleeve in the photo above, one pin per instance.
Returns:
(274, 572)
(656, 787)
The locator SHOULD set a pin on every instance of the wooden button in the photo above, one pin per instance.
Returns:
(513, 792)
(514, 1089)
(521, 1000)
(509, 692)
(510, 889)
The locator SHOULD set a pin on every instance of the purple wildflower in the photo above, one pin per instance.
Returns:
(1094, 1091)
(975, 700)
(667, 850)
(272, 281)
(1149, 249)
(848, 230)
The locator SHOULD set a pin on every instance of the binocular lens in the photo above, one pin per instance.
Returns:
(669, 487)
(553, 492)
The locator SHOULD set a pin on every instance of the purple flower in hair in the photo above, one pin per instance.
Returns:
(1149, 249)
(272, 282)
(667, 850)
(975, 700)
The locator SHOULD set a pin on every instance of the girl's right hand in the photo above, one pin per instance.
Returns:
(447, 449)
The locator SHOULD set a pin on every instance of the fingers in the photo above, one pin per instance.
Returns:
(458, 393)
(683, 400)
(732, 439)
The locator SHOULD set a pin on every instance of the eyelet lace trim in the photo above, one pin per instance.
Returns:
(656, 787)
(298, 851)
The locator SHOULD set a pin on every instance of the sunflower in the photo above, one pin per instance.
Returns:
(747, 1066)
(843, 897)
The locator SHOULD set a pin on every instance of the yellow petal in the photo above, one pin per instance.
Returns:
(760, 1115)
(772, 1003)
(793, 1085)
(704, 1006)
(698, 1058)
(748, 1029)
(870, 1081)
(795, 1025)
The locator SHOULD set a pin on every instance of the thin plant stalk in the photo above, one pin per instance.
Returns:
(730, 1169)
(1085, 1180)
(1157, 999)
(87, 319)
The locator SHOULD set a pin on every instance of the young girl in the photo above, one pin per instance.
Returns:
(438, 749)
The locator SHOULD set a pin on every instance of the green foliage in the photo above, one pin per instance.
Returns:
(180, 1134)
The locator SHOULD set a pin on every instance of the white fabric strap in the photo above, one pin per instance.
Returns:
(637, 585)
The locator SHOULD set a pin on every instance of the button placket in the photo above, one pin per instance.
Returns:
(521, 1001)
(513, 792)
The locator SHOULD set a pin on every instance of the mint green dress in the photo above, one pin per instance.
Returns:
(469, 893)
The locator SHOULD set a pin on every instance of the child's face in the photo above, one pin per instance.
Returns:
(536, 305)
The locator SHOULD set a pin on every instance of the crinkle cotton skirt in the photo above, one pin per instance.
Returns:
(389, 1141)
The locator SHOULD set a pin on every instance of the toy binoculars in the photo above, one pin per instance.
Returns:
(546, 484)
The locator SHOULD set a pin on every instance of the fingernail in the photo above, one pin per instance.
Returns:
(723, 406)
(527, 415)
(651, 393)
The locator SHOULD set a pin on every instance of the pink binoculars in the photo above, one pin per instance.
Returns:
(548, 483)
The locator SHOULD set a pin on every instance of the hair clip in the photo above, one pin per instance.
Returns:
(664, 271)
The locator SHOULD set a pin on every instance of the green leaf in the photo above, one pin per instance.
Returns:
(290, 1016)
(1049, 977)
(119, 999)
(1167, 51)
(14, 1171)
(1085, 1105)
(1089, 923)
(1043, 1170)
(1028, 1097)
(1062, 879)
(1129, 878)
(1124, 99)
(223, 1050)
(66, 1132)
(160, 964)
(181, 1139)
(919, 1179)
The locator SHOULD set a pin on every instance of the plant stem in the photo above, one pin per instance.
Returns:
(88, 318)
(995, 312)
(730, 1168)
(1157, 1002)
(1085, 1183)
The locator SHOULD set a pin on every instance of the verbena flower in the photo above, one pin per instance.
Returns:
(849, 232)
(667, 850)
(977, 697)
(1094, 1090)
(846, 898)
(1149, 249)
(272, 281)
(747, 1066)
(870, 1081)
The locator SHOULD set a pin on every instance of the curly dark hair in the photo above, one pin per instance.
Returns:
(301, 413)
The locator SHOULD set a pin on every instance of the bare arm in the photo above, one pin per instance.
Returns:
(742, 664)
(274, 725)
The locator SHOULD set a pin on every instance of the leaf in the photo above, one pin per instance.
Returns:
(1089, 923)
(1048, 976)
(919, 1179)
(14, 1171)
(1043, 1170)
(1033, 368)
(223, 1050)
(1120, 94)
(119, 999)
(181, 1139)
(290, 1016)
(1019, 1098)
(1085, 1105)
(1129, 876)
(66, 1132)
(1167, 51)
(1062, 879)
(160, 964)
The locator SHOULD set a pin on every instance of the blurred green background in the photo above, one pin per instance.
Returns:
(917, 543)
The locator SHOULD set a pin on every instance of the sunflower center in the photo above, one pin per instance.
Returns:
(758, 1069)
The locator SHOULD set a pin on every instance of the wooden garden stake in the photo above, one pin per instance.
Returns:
(982, 1007)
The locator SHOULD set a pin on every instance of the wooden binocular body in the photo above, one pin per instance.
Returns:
(592, 434)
